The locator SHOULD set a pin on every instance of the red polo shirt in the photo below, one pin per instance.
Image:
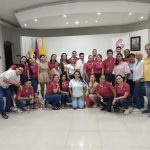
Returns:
(97, 67)
(51, 86)
(25, 92)
(105, 90)
(51, 65)
(88, 68)
(108, 65)
(34, 69)
(121, 90)
(65, 86)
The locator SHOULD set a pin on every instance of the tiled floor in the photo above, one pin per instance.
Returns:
(67, 129)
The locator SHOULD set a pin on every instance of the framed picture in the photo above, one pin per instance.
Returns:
(135, 43)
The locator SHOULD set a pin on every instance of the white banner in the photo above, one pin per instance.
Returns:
(123, 41)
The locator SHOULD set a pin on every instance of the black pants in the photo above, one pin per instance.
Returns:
(106, 103)
(132, 86)
(110, 78)
(97, 76)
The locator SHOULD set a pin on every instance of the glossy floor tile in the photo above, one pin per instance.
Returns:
(67, 129)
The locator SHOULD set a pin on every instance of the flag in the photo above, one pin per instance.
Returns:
(36, 49)
(43, 49)
(32, 48)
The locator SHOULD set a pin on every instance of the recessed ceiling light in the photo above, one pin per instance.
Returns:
(86, 21)
(67, 22)
(130, 14)
(35, 20)
(96, 21)
(25, 25)
(142, 17)
(64, 16)
(77, 22)
(98, 13)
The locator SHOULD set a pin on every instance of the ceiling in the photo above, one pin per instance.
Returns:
(50, 13)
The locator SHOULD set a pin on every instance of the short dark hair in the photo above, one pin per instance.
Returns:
(131, 55)
(81, 54)
(99, 55)
(74, 51)
(19, 65)
(42, 56)
(109, 50)
(28, 80)
(118, 47)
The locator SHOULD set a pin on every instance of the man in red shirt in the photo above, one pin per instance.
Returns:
(74, 55)
(108, 66)
(25, 95)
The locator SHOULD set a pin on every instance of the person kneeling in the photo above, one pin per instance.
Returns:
(53, 96)
(25, 95)
(106, 93)
(123, 95)
(77, 90)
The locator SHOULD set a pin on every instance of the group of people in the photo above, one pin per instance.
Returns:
(115, 83)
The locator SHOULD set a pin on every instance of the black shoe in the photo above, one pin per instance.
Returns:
(4, 116)
(55, 108)
(103, 108)
(146, 111)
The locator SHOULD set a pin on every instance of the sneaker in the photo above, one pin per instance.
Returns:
(136, 110)
(13, 109)
(4, 116)
(19, 110)
(128, 111)
(146, 111)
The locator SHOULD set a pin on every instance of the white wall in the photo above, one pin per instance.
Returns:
(82, 43)
(1, 52)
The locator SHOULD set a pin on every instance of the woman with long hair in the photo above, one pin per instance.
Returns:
(63, 63)
(77, 90)
(43, 73)
(121, 67)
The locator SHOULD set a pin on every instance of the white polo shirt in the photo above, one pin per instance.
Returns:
(79, 66)
(138, 70)
(9, 74)
(77, 87)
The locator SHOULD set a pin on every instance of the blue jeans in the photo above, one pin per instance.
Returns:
(22, 103)
(7, 93)
(34, 84)
(138, 95)
(147, 88)
(123, 103)
(53, 99)
(66, 98)
(107, 103)
(77, 102)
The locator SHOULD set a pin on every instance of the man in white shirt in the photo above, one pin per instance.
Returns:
(7, 78)
(79, 64)
(138, 78)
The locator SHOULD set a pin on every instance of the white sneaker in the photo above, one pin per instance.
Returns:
(13, 109)
(19, 110)
(136, 110)
(128, 111)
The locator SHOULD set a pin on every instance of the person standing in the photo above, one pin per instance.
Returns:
(138, 78)
(7, 78)
(108, 66)
(79, 65)
(147, 76)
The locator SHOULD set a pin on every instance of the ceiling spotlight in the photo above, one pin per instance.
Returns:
(77, 22)
(98, 13)
(64, 16)
(142, 17)
(25, 25)
(35, 20)
(67, 22)
(130, 14)
(96, 21)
